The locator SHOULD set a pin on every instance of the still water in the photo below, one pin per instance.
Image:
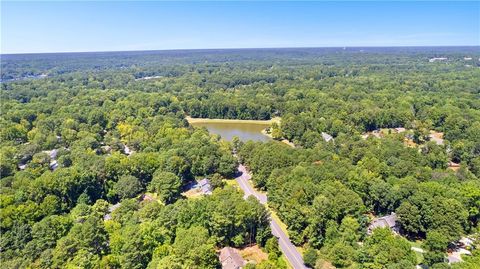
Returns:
(244, 131)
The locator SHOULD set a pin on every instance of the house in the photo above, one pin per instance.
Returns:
(432, 60)
(456, 255)
(231, 259)
(460, 248)
(110, 210)
(148, 78)
(53, 158)
(465, 242)
(53, 164)
(127, 150)
(327, 137)
(389, 221)
(52, 153)
(205, 186)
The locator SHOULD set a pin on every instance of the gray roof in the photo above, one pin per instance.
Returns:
(231, 259)
(127, 150)
(110, 210)
(205, 186)
(327, 137)
(389, 221)
(53, 164)
(113, 207)
(51, 153)
(204, 182)
(453, 259)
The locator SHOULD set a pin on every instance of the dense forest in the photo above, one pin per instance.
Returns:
(88, 139)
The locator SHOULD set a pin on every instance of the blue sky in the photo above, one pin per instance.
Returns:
(112, 26)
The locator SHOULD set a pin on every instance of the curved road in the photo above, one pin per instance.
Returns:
(293, 256)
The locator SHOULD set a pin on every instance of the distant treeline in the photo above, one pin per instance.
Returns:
(118, 136)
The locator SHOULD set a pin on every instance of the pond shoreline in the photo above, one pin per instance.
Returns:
(283, 140)
(265, 132)
(243, 129)
(207, 120)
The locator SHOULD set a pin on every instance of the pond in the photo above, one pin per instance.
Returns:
(244, 130)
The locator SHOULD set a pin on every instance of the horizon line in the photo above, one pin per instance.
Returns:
(241, 48)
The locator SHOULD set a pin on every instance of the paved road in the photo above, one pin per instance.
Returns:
(243, 179)
(293, 256)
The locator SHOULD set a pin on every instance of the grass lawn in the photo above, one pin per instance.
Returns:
(417, 244)
(231, 182)
(275, 217)
(419, 257)
(301, 250)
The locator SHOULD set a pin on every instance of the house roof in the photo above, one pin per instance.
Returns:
(231, 259)
(207, 189)
(127, 150)
(51, 153)
(53, 164)
(384, 222)
(327, 137)
(203, 182)
(205, 186)
(111, 208)
(466, 241)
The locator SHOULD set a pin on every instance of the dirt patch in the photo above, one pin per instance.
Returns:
(254, 254)
(409, 143)
(437, 137)
(288, 143)
(453, 166)
(192, 193)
